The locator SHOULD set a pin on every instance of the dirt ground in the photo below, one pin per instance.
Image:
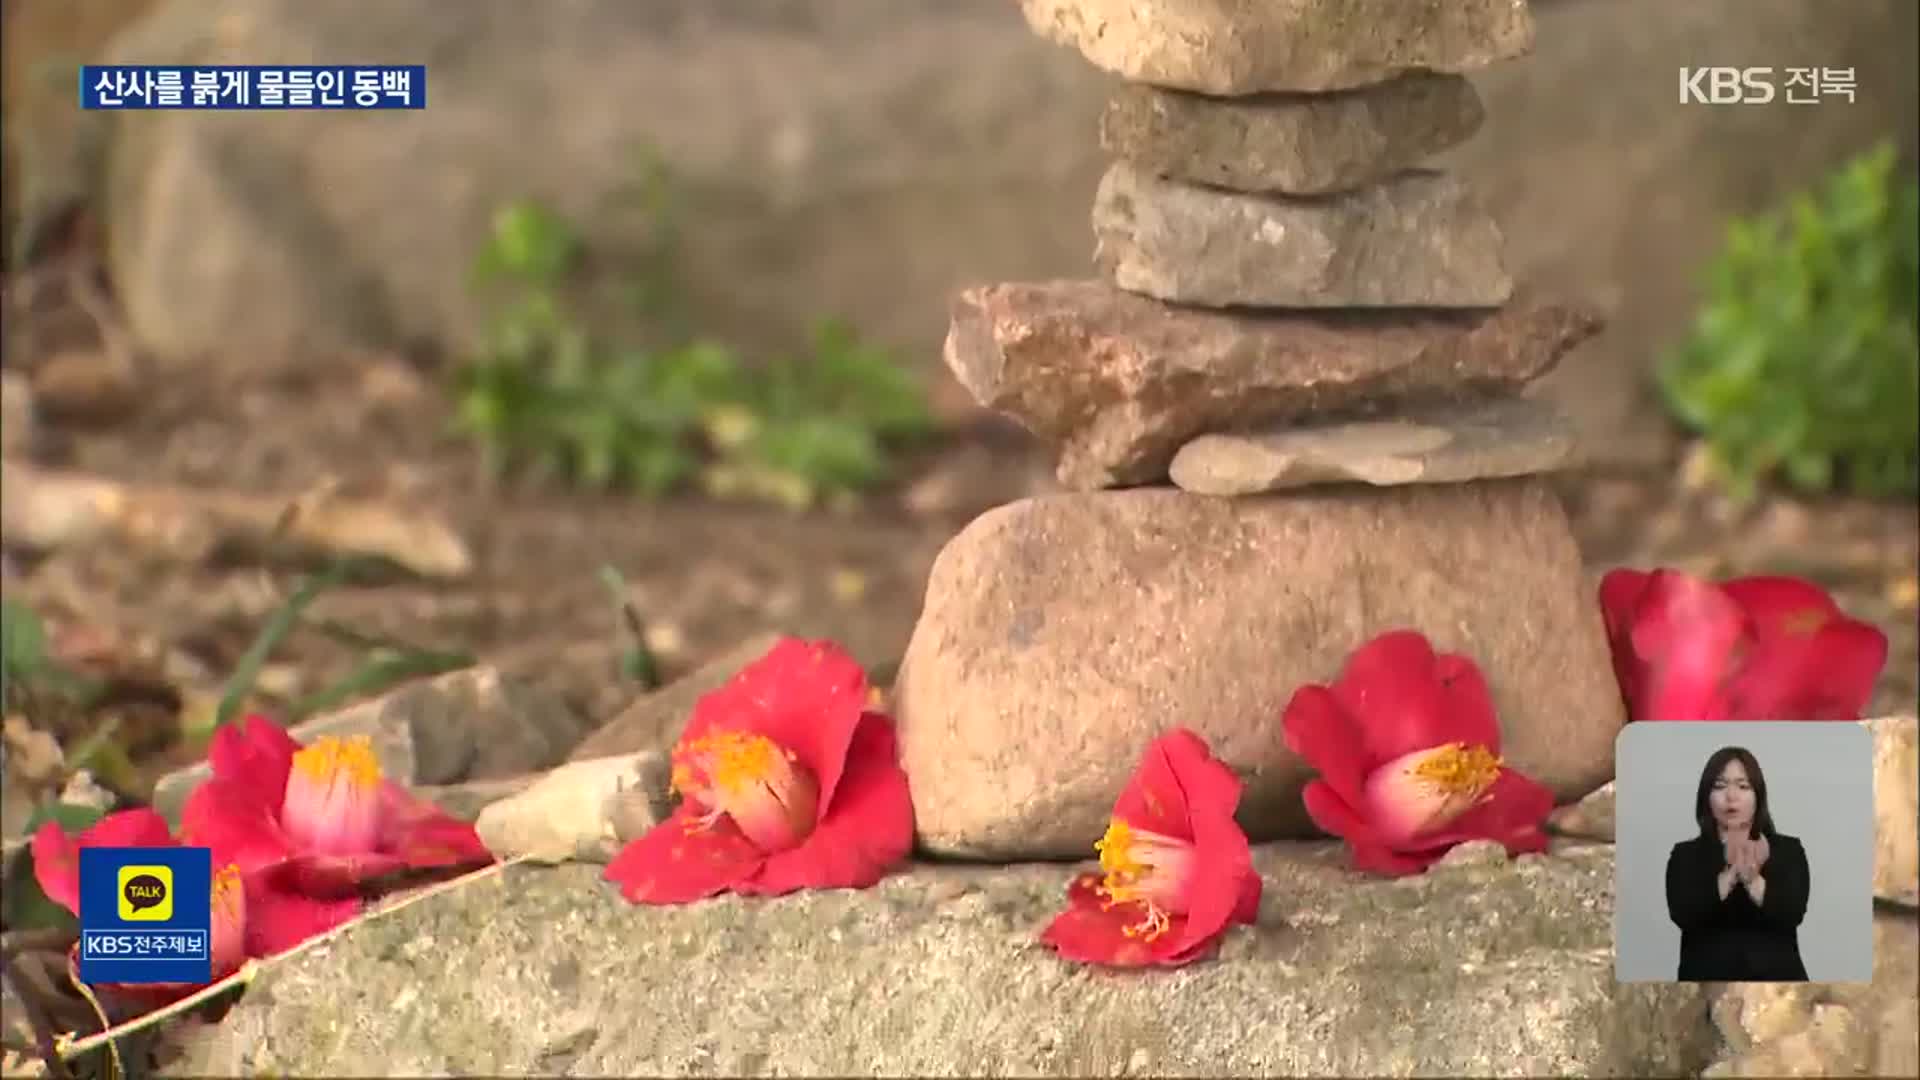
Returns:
(703, 574)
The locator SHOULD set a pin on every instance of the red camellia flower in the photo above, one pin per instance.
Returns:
(308, 826)
(786, 781)
(56, 866)
(1408, 753)
(1175, 868)
(1753, 648)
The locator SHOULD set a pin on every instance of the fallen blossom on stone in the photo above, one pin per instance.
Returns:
(309, 826)
(56, 867)
(1176, 872)
(1752, 648)
(1408, 754)
(787, 781)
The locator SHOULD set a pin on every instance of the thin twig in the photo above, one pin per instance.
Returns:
(46, 1042)
(69, 1047)
(106, 1022)
(115, 342)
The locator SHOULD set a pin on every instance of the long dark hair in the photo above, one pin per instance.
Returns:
(1762, 817)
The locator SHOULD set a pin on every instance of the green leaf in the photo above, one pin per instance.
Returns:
(73, 818)
(531, 243)
(25, 905)
(247, 671)
(637, 663)
(377, 675)
(23, 640)
(1802, 356)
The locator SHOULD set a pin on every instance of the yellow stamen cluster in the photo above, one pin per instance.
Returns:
(730, 760)
(332, 757)
(1459, 769)
(726, 762)
(1122, 883)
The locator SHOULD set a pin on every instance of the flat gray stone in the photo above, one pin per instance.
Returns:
(1296, 144)
(1231, 47)
(1471, 970)
(653, 720)
(1479, 440)
(584, 810)
(1418, 240)
(1117, 382)
(465, 800)
(476, 724)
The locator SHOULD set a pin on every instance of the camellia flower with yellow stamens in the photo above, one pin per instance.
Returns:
(56, 867)
(788, 780)
(308, 826)
(1175, 869)
(1408, 752)
(1752, 648)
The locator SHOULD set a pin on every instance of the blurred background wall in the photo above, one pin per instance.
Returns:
(853, 157)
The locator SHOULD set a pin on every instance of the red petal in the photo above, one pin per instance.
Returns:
(670, 865)
(1334, 816)
(1512, 813)
(56, 856)
(865, 833)
(1225, 891)
(256, 753)
(1179, 776)
(229, 817)
(1469, 702)
(1175, 773)
(422, 835)
(1687, 636)
(1776, 604)
(1088, 932)
(141, 827)
(807, 696)
(1829, 675)
(1247, 911)
(1405, 699)
(1319, 730)
(1621, 593)
(277, 919)
(56, 865)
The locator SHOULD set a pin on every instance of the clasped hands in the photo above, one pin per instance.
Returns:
(1745, 856)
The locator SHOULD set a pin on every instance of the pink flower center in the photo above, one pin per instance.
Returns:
(332, 805)
(1427, 790)
(228, 947)
(1145, 868)
(760, 785)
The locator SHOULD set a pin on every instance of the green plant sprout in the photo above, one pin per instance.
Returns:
(546, 395)
(1803, 364)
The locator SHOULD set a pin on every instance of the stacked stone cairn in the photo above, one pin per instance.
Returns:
(1287, 417)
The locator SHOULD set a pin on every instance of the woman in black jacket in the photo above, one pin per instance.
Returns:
(1739, 890)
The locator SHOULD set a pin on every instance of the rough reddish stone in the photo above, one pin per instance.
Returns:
(1119, 382)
